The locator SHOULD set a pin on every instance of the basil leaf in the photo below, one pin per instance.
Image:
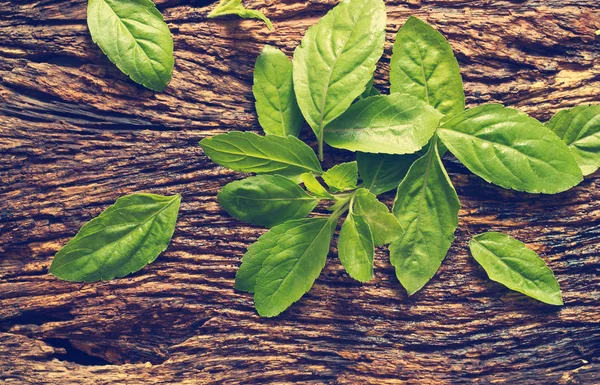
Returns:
(579, 127)
(370, 90)
(342, 177)
(383, 224)
(312, 184)
(510, 149)
(381, 172)
(293, 265)
(512, 264)
(248, 152)
(427, 208)
(135, 37)
(252, 261)
(278, 111)
(235, 7)
(423, 65)
(123, 239)
(336, 60)
(391, 124)
(355, 248)
(266, 200)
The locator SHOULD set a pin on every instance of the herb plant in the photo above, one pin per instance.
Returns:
(399, 140)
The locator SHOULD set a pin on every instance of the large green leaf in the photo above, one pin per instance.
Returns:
(293, 265)
(235, 7)
(510, 149)
(427, 208)
(383, 224)
(423, 65)
(336, 60)
(248, 152)
(579, 127)
(381, 172)
(266, 200)
(123, 239)
(276, 105)
(512, 264)
(252, 261)
(134, 36)
(342, 177)
(355, 248)
(391, 124)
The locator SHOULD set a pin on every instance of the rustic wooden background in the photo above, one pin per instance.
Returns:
(75, 134)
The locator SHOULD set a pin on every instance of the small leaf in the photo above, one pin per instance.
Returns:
(336, 59)
(391, 124)
(252, 261)
(312, 184)
(370, 90)
(278, 111)
(427, 209)
(235, 7)
(342, 177)
(356, 249)
(134, 36)
(512, 264)
(381, 172)
(266, 200)
(248, 152)
(383, 224)
(123, 239)
(423, 65)
(293, 265)
(579, 127)
(510, 149)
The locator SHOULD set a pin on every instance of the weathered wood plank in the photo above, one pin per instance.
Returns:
(75, 134)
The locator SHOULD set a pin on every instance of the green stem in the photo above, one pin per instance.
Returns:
(321, 157)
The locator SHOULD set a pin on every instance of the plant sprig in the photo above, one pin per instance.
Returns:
(399, 139)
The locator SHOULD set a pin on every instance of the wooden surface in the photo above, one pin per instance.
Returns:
(75, 134)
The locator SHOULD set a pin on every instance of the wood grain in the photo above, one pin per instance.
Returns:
(75, 134)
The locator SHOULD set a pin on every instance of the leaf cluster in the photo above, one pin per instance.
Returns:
(399, 140)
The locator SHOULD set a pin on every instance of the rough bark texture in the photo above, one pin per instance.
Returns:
(75, 134)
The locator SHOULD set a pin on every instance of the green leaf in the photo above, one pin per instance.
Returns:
(370, 90)
(252, 261)
(381, 172)
(579, 127)
(423, 65)
(427, 208)
(266, 200)
(248, 152)
(278, 111)
(293, 265)
(235, 7)
(510, 149)
(336, 60)
(383, 224)
(391, 124)
(342, 177)
(512, 264)
(355, 248)
(134, 36)
(123, 239)
(312, 184)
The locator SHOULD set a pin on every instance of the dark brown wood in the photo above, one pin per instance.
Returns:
(75, 134)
